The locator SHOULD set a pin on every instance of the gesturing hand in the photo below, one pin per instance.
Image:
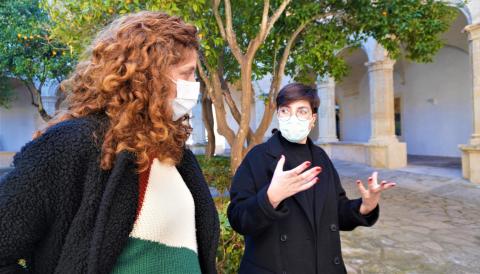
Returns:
(288, 183)
(371, 196)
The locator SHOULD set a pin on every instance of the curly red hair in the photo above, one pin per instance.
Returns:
(126, 76)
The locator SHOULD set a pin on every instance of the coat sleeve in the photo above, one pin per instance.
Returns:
(27, 195)
(349, 216)
(250, 212)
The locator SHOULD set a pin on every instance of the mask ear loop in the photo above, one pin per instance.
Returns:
(171, 79)
(175, 82)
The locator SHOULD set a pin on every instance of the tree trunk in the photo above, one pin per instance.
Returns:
(61, 96)
(238, 149)
(245, 60)
(236, 157)
(37, 99)
(45, 116)
(207, 117)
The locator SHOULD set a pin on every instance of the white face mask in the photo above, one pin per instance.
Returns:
(293, 129)
(187, 98)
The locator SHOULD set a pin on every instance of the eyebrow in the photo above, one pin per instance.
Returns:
(297, 108)
(191, 68)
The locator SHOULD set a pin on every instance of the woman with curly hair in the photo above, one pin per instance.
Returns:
(109, 186)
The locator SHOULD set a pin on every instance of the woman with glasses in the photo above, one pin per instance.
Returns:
(287, 200)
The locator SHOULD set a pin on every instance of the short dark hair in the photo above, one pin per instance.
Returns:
(297, 91)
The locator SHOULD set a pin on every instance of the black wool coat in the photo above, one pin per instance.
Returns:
(64, 214)
(290, 238)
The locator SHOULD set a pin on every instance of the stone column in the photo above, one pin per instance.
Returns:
(471, 152)
(49, 104)
(327, 131)
(384, 149)
(474, 41)
(380, 80)
(198, 133)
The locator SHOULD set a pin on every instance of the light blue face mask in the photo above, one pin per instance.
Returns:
(293, 129)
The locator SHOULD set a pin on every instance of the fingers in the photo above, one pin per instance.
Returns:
(308, 175)
(308, 184)
(280, 164)
(299, 169)
(373, 186)
(305, 180)
(360, 187)
(373, 180)
(375, 176)
(384, 185)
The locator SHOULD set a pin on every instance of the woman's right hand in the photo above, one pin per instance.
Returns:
(288, 183)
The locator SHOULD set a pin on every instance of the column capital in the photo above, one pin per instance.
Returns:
(326, 81)
(473, 31)
(386, 64)
(326, 111)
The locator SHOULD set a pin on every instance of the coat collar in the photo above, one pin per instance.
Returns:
(275, 149)
(118, 208)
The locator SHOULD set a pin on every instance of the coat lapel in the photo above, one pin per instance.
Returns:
(116, 215)
(321, 188)
(206, 217)
(302, 200)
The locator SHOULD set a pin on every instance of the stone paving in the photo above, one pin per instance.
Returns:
(428, 224)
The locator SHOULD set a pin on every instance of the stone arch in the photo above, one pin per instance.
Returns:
(436, 114)
(351, 94)
(465, 10)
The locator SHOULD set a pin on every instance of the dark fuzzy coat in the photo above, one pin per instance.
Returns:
(291, 238)
(62, 213)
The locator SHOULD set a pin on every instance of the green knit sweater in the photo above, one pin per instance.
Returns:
(163, 238)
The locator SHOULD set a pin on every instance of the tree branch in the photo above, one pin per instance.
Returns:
(59, 79)
(228, 95)
(275, 16)
(266, 26)
(266, 8)
(286, 52)
(231, 37)
(277, 80)
(32, 95)
(236, 113)
(203, 75)
(216, 4)
(223, 127)
(36, 94)
(209, 122)
(43, 77)
(227, 33)
(214, 90)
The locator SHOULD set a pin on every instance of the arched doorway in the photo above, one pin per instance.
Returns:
(434, 102)
(353, 98)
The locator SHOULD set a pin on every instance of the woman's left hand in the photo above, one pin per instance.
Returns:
(371, 196)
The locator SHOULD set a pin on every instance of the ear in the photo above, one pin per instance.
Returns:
(314, 118)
